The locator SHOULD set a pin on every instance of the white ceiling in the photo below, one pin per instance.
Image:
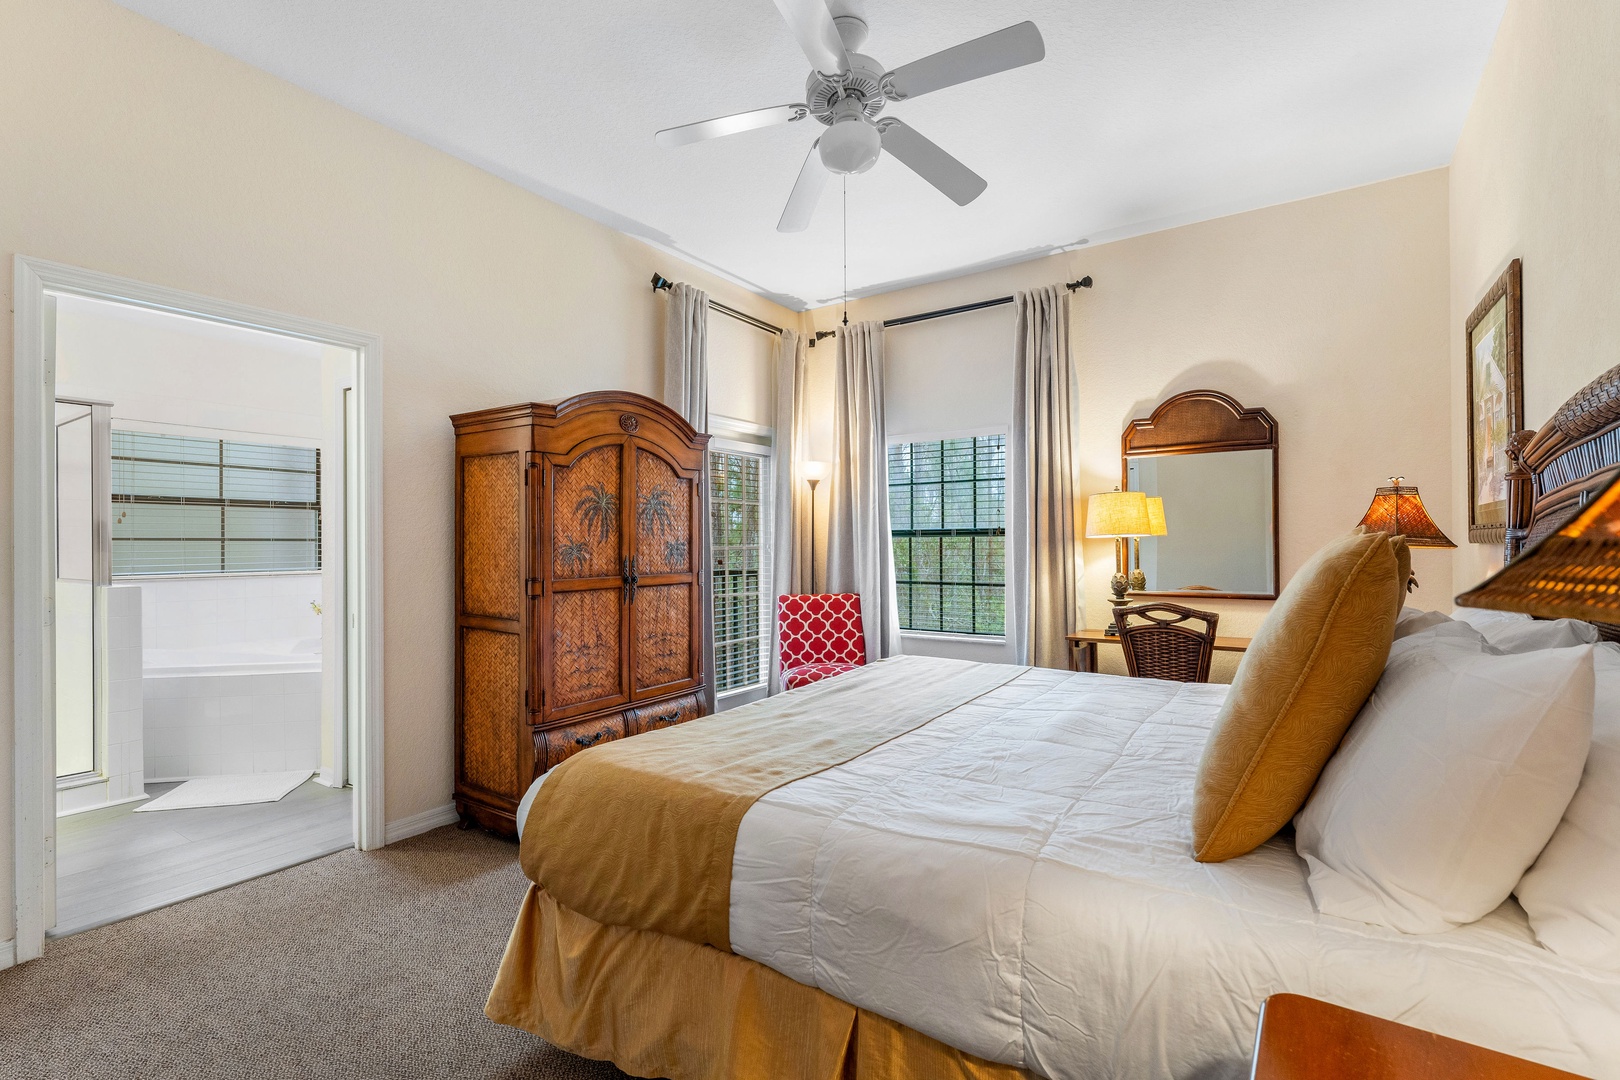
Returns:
(1144, 114)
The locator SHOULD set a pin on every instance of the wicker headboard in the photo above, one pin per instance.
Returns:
(1556, 470)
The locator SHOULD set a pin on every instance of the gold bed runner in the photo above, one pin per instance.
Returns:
(658, 1006)
(640, 833)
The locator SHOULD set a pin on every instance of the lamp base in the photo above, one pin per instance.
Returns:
(1119, 584)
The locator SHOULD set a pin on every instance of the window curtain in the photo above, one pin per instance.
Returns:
(860, 552)
(791, 542)
(1042, 554)
(686, 390)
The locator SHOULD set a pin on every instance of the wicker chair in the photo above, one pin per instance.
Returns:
(1165, 641)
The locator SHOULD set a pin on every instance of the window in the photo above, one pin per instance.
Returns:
(186, 505)
(947, 514)
(738, 503)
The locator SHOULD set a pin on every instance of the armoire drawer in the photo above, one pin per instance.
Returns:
(553, 746)
(663, 714)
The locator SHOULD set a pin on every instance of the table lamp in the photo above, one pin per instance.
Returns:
(1399, 510)
(1119, 516)
(1573, 573)
(1156, 527)
(814, 472)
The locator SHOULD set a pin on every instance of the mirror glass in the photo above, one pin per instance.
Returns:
(1219, 516)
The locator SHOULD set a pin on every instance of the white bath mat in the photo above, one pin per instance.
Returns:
(227, 790)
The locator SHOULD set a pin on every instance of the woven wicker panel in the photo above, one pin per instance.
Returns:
(585, 646)
(491, 712)
(491, 543)
(663, 517)
(585, 515)
(663, 648)
(1167, 641)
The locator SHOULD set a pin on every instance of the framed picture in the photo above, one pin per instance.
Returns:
(1494, 341)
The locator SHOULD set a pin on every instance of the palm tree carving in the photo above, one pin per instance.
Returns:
(597, 509)
(675, 552)
(573, 556)
(654, 514)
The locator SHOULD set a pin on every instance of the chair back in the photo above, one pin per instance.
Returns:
(820, 628)
(1167, 641)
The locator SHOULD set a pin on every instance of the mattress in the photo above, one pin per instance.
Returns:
(1015, 879)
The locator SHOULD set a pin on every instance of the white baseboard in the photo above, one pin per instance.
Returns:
(419, 823)
(8, 954)
(325, 776)
(101, 806)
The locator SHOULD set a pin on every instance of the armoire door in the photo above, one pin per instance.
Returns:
(665, 616)
(584, 553)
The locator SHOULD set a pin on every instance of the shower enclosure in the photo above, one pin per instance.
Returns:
(83, 576)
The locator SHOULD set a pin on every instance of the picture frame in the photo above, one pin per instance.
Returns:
(1493, 363)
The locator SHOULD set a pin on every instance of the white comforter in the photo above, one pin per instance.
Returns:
(1015, 879)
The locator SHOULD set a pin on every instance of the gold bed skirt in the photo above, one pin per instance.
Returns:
(660, 1006)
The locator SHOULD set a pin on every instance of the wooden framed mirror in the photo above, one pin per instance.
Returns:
(1214, 465)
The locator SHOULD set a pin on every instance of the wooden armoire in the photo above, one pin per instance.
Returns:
(579, 591)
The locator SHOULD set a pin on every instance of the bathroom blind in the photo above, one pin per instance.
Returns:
(187, 505)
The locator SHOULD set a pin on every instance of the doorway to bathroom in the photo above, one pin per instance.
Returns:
(204, 719)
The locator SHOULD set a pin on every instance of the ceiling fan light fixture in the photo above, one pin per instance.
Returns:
(851, 146)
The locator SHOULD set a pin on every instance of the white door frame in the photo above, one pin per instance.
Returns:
(33, 544)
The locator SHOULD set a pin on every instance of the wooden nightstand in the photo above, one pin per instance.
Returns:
(1301, 1038)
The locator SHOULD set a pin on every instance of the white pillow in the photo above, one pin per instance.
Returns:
(1413, 620)
(1512, 632)
(1572, 894)
(1449, 783)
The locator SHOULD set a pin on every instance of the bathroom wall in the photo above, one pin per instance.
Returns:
(229, 612)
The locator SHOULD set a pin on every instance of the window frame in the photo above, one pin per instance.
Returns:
(1005, 533)
(736, 437)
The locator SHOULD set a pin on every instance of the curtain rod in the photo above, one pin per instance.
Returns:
(660, 282)
(960, 309)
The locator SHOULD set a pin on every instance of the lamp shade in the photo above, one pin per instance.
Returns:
(1117, 513)
(815, 471)
(1397, 509)
(1573, 573)
(1156, 526)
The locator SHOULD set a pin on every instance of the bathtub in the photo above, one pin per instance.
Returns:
(241, 708)
(257, 658)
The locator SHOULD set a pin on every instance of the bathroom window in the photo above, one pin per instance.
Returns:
(188, 505)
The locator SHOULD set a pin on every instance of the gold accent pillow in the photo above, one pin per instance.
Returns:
(1312, 665)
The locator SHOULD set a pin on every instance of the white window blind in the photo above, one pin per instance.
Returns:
(739, 504)
(188, 505)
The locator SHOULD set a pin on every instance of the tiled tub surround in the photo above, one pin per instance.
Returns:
(207, 725)
(120, 754)
(232, 674)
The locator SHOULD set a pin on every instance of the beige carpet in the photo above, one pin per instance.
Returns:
(361, 964)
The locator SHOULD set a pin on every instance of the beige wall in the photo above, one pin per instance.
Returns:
(1330, 312)
(132, 150)
(1536, 177)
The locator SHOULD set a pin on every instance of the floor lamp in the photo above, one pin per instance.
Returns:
(814, 472)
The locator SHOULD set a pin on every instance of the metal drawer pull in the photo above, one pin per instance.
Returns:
(591, 740)
(670, 719)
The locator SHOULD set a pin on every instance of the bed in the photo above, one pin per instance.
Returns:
(998, 884)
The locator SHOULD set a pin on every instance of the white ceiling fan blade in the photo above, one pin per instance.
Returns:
(730, 125)
(1001, 51)
(812, 24)
(806, 193)
(959, 183)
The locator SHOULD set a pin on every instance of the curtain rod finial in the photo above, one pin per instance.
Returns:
(659, 281)
(1083, 283)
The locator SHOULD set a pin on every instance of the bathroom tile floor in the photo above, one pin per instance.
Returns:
(114, 863)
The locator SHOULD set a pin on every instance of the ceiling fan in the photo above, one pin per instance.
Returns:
(847, 90)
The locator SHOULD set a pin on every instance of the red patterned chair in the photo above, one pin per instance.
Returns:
(820, 636)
